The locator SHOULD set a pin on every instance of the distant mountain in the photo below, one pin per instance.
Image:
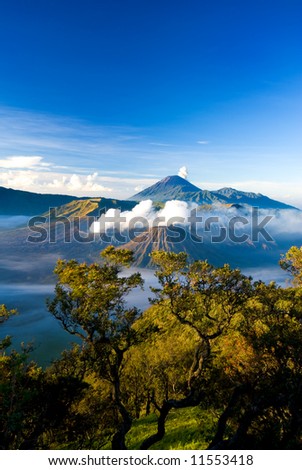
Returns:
(16, 202)
(233, 196)
(171, 187)
(175, 187)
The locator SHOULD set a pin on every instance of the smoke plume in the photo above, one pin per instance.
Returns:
(183, 172)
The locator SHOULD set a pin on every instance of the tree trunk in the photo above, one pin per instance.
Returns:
(193, 399)
(119, 438)
(161, 427)
(218, 441)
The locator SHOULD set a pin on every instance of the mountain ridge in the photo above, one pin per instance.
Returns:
(176, 187)
(18, 202)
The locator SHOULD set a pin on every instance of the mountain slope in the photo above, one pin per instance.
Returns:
(175, 187)
(235, 254)
(16, 202)
(171, 187)
(92, 207)
(233, 196)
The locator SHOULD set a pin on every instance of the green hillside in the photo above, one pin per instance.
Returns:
(92, 207)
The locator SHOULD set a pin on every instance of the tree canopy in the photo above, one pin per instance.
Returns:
(212, 340)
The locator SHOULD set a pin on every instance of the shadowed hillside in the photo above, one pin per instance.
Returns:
(15, 202)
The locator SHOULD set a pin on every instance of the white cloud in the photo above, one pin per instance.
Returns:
(144, 215)
(21, 161)
(27, 173)
(202, 142)
(84, 184)
(21, 179)
(52, 182)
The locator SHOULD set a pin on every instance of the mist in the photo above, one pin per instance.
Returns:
(12, 221)
(33, 324)
(279, 224)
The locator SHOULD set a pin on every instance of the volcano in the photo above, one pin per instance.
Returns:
(163, 238)
(176, 187)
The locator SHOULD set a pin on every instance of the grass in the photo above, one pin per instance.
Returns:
(189, 428)
(79, 208)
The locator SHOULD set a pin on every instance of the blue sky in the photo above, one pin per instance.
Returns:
(106, 97)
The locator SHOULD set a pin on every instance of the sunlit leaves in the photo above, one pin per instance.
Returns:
(292, 262)
(90, 299)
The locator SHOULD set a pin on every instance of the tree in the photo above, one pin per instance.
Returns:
(262, 371)
(90, 303)
(292, 262)
(205, 300)
(33, 402)
(4, 316)
(157, 369)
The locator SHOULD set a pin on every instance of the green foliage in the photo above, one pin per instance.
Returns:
(292, 262)
(189, 429)
(215, 362)
(121, 257)
(32, 402)
(90, 302)
(4, 315)
(169, 263)
(90, 419)
(250, 347)
(158, 368)
(262, 374)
